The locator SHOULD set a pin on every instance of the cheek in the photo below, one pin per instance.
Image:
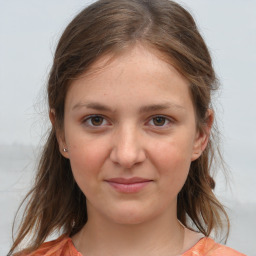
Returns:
(172, 160)
(86, 159)
(83, 161)
(173, 152)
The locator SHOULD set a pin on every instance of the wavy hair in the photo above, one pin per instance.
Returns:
(110, 27)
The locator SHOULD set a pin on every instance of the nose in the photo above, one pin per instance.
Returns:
(127, 149)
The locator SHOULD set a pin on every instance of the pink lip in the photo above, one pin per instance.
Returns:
(131, 185)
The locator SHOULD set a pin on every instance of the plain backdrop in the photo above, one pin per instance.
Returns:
(29, 31)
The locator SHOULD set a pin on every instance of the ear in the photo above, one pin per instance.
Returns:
(59, 134)
(202, 137)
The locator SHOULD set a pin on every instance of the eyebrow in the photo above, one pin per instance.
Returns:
(143, 109)
(92, 105)
(162, 106)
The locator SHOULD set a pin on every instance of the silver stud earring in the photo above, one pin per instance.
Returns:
(65, 149)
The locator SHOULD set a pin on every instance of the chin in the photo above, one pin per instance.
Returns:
(131, 215)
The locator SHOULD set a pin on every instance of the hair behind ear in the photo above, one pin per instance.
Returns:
(55, 202)
(197, 200)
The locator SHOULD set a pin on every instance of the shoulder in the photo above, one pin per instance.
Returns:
(208, 247)
(62, 246)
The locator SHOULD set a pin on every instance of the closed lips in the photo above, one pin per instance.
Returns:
(131, 185)
(128, 181)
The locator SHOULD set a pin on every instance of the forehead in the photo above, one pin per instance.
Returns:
(138, 74)
(136, 53)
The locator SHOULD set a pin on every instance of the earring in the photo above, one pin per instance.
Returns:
(65, 149)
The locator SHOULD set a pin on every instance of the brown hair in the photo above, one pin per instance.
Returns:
(109, 27)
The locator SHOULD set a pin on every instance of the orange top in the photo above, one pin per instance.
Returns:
(64, 246)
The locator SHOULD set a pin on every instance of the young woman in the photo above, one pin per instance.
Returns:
(126, 169)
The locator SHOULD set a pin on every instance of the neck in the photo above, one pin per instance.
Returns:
(162, 235)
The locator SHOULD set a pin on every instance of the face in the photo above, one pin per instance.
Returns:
(130, 131)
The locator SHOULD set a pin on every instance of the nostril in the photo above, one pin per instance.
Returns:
(127, 157)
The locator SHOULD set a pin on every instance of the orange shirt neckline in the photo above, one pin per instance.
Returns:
(63, 246)
(186, 253)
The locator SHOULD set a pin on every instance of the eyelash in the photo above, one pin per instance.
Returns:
(89, 119)
(161, 117)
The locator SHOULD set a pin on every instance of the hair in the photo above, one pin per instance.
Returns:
(110, 27)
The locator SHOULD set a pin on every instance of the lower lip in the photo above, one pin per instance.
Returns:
(129, 188)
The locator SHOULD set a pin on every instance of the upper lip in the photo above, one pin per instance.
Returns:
(128, 180)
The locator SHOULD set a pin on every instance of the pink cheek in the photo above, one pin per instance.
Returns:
(83, 161)
(173, 171)
(87, 158)
(167, 153)
(172, 161)
(85, 168)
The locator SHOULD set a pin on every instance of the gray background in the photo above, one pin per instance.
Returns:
(29, 31)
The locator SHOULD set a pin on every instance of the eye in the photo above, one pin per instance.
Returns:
(159, 121)
(95, 120)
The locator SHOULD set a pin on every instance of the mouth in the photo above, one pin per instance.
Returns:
(131, 185)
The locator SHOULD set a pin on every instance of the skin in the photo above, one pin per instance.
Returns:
(145, 127)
